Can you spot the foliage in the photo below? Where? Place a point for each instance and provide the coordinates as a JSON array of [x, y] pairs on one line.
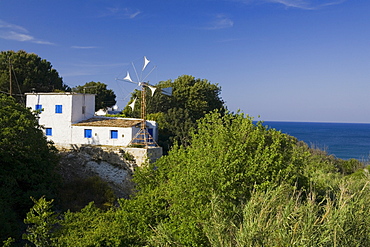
[[8, 242], [89, 227], [237, 184], [278, 216], [29, 72], [76, 194], [229, 157], [191, 99], [126, 155], [27, 163], [284, 217], [42, 222], [104, 97]]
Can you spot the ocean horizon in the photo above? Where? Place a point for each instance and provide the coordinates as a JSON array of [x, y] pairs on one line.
[[343, 140]]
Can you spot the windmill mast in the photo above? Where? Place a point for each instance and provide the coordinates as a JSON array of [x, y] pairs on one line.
[[143, 108], [143, 137]]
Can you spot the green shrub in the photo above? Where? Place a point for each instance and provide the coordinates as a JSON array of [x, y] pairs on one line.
[[76, 194]]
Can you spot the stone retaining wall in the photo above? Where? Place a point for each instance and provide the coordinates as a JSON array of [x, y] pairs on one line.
[[139, 155]]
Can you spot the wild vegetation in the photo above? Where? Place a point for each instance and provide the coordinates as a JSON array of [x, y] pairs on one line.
[[177, 115], [104, 97], [27, 72], [237, 184], [27, 164], [231, 182]]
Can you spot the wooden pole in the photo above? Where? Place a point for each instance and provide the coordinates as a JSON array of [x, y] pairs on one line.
[[143, 124], [10, 78]]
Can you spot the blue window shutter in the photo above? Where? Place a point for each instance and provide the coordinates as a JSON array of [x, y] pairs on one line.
[[38, 107], [114, 134], [88, 133], [58, 109], [49, 131]]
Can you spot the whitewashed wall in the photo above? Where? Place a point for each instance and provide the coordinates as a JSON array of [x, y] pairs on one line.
[[60, 123], [78, 102], [63, 131], [101, 135]]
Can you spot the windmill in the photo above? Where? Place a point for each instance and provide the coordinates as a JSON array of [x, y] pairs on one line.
[[143, 137]]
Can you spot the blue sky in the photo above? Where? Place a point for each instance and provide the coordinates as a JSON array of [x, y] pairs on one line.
[[276, 60]]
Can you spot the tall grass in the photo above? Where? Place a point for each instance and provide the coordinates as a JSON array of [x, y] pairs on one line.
[[285, 217]]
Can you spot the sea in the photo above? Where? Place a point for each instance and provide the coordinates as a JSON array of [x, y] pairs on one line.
[[343, 140]]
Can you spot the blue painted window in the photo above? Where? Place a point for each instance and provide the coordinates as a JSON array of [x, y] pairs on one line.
[[88, 133], [58, 109], [38, 107], [114, 134], [49, 131]]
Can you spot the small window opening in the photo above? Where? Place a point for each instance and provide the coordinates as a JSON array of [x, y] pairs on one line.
[[58, 109], [48, 131], [114, 134], [87, 133]]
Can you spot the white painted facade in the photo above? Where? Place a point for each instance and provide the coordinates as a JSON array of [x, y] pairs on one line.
[[102, 135], [68, 118]]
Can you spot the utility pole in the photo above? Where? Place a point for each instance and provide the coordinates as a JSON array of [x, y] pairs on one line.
[[10, 78]]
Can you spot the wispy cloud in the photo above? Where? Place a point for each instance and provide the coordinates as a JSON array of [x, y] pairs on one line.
[[220, 22], [14, 32], [300, 4], [121, 13], [83, 47], [5, 25]]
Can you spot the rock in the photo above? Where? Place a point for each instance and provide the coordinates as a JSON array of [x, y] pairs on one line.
[[109, 165]]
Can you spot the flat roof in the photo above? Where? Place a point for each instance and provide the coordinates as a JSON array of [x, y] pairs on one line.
[[108, 122], [59, 93]]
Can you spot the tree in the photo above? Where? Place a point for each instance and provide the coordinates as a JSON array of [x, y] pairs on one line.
[[229, 157], [27, 162], [28, 72], [237, 184], [42, 220], [104, 97], [191, 100]]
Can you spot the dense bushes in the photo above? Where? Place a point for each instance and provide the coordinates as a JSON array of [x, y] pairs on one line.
[[237, 184], [229, 157], [27, 163], [76, 194], [284, 217]]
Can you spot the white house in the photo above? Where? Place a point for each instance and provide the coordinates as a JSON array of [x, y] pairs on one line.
[[68, 118]]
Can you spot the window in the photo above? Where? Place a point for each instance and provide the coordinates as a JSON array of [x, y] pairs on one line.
[[38, 107], [83, 109], [58, 109], [88, 133], [48, 131], [114, 134]]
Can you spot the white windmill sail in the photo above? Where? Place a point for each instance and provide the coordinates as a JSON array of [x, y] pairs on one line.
[[143, 137], [128, 77], [152, 89], [132, 105], [167, 91], [146, 61]]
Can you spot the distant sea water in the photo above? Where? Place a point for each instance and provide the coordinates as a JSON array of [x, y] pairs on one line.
[[343, 140]]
